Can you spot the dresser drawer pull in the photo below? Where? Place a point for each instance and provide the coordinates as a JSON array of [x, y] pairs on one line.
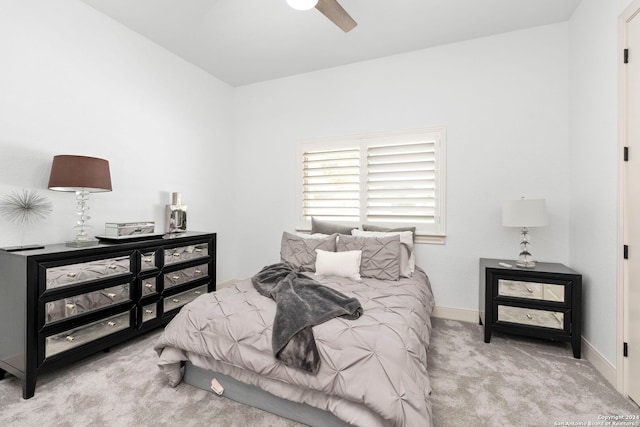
[[198, 271], [198, 249], [111, 323], [147, 260], [176, 254], [529, 316], [71, 274], [112, 296], [69, 338], [113, 266], [175, 300], [197, 292], [148, 285], [148, 311], [529, 290], [175, 277], [71, 306]]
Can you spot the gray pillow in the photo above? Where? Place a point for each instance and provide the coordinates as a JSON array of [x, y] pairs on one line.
[[369, 227], [301, 251], [324, 227], [380, 255]]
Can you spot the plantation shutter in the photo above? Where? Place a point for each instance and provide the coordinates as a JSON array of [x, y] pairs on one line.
[[401, 183], [331, 184]]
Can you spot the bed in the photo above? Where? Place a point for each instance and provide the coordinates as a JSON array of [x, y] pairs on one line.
[[373, 369]]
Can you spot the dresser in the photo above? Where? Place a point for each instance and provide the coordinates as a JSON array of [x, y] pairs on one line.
[[542, 302], [61, 304]]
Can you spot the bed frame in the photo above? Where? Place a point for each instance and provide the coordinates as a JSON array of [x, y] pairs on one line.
[[253, 396]]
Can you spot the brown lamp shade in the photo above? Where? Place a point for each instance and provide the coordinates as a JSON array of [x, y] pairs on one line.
[[77, 173]]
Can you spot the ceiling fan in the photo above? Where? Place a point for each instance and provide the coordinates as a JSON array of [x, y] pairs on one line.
[[329, 8]]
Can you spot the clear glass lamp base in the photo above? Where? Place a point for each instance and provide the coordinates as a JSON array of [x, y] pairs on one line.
[[82, 243], [82, 207], [526, 264], [525, 260]]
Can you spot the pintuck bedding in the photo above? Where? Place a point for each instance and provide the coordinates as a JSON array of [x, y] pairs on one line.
[[373, 369]]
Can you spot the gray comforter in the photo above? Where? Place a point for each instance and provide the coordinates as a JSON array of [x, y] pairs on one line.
[[301, 303], [373, 371]]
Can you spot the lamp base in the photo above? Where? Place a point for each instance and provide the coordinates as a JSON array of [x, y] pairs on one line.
[[82, 243], [526, 264]]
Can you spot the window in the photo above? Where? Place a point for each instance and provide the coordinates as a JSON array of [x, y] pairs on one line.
[[389, 179]]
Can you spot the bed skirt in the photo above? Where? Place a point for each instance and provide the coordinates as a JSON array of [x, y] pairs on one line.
[[253, 396]]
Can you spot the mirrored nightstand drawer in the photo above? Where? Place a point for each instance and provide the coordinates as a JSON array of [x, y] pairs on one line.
[[178, 300], [185, 275], [531, 317], [185, 253], [76, 337], [84, 272], [531, 290], [84, 303]]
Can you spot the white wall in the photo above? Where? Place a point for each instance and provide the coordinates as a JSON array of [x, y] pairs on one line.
[[593, 68], [504, 102], [72, 81]]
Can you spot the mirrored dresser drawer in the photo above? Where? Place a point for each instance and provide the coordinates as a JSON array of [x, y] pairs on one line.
[[66, 308], [148, 286], [148, 260], [185, 275], [185, 253], [149, 312], [84, 334], [178, 300], [80, 273]]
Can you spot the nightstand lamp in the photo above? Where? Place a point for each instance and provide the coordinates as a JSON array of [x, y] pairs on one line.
[[524, 213], [82, 175]]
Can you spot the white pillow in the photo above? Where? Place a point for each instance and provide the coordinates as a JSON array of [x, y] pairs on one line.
[[343, 264], [313, 236], [407, 257]]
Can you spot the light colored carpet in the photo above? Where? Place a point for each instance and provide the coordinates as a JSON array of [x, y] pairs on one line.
[[515, 381], [511, 382]]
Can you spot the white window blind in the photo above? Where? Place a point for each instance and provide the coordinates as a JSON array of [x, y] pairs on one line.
[[387, 179], [401, 183], [332, 184]]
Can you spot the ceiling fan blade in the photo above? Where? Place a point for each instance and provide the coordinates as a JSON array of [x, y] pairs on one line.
[[336, 14]]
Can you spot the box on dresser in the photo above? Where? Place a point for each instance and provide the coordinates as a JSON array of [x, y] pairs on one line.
[[60, 304]]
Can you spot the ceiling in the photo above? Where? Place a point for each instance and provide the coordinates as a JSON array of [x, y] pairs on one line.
[[248, 41]]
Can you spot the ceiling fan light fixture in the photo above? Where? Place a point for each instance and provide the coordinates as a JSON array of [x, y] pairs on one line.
[[302, 4]]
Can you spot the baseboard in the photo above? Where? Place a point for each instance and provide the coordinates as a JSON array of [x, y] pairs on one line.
[[461, 314], [598, 361]]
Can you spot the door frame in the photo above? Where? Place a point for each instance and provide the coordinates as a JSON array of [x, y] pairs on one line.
[[622, 274]]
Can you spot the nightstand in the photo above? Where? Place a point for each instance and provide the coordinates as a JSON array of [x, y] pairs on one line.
[[542, 302]]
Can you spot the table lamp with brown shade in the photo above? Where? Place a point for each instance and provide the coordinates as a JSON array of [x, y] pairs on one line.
[[82, 175]]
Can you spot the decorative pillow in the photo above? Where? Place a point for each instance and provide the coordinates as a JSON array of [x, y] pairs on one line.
[[301, 251], [324, 227], [369, 227], [407, 257], [380, 255], [343, 264]]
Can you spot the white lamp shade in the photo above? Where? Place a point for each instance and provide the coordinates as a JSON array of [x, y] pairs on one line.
[[302, 4], [524, 213]]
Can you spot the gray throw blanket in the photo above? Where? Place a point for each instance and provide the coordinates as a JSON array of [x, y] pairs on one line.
[[301, 303]]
